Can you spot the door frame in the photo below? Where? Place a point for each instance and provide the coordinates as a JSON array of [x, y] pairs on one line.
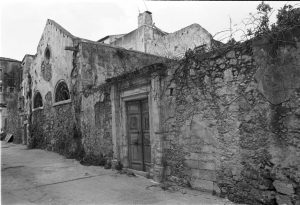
[[137, 94], [119, 97]]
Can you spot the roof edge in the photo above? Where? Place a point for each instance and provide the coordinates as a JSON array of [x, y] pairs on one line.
[[82, 40], [62, 29], [26, 56], [9, 59]]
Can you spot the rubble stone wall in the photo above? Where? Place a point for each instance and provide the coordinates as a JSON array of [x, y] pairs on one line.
[[54, 128], [231, 122]]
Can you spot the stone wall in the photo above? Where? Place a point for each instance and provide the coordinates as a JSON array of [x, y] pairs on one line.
[[54, 128], [13, 121], [10, 81], [96, 63], [231, 121]]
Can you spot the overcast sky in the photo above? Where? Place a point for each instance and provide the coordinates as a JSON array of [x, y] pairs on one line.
[[22, 21]]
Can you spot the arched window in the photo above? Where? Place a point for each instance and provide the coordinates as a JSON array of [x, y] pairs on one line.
[[37, 100], [61, 92]]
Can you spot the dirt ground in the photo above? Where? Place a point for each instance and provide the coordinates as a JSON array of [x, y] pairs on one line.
[[34, 176]]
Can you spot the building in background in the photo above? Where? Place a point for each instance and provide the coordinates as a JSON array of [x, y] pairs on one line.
[[10, 78], [150, 39]]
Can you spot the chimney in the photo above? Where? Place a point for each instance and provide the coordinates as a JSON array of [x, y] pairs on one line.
[[145, 18]]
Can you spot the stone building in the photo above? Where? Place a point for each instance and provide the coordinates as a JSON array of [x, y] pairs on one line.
[[225, 120], [10, 77], [150, 39], [25, 97], [71, 110]]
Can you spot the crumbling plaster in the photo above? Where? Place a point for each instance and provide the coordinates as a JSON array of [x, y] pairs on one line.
[[60, 63]]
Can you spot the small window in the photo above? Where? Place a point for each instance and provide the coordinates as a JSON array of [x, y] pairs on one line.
[[11, 89], [62, 92], [171, 91], [1, 89], [37, 100], [47, 54]]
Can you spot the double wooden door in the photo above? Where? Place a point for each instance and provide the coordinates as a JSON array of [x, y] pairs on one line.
[[138, 135]]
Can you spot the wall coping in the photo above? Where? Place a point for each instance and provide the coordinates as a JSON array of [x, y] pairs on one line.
[[62, 102]]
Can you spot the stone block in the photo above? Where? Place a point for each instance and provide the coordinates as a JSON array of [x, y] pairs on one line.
[[230, 54], [193, 156], [206, 157], [220, 61], [283, 200], [157, 173], [207, 165], [191, 163], [216, 189], [228, 75], [233, 62], [207, 149], [246, 58], [204, 174], [201, 184], [114, 164], [284, 187]]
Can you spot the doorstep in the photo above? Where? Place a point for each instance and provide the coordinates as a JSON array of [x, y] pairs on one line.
[[137, 172]]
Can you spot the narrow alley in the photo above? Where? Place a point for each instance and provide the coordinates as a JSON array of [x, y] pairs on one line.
[[34, 176]]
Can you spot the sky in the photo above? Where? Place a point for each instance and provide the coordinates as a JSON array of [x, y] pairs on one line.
[[22, 21]]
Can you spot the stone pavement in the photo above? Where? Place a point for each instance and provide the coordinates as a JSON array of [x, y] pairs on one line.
[[34, 176]]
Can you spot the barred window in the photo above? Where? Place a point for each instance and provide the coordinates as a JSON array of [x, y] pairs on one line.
[[37, 100], [62, 92]]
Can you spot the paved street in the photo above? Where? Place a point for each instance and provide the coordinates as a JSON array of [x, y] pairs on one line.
[[41, 177]]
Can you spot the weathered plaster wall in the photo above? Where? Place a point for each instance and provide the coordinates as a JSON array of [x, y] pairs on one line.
[[45, 75], [234, 128], [174, 45], [98, 62], [132, 41], [139, 38], [54, 126]]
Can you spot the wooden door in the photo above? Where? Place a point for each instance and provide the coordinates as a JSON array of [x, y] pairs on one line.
[[138, 135]]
